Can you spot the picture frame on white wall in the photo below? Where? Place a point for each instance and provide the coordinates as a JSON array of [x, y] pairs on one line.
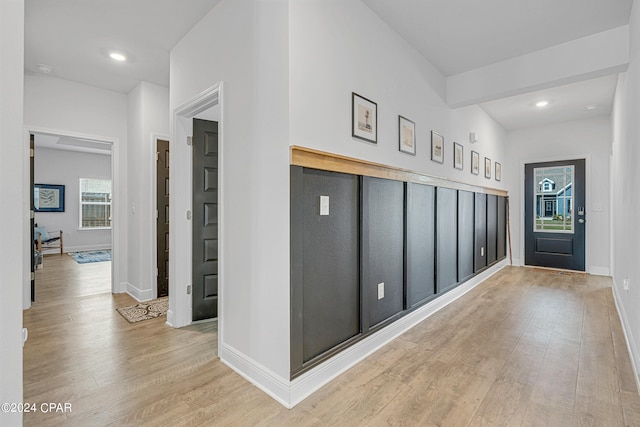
[[406, 136], [487, 168], [458, 156], [475, 163], [364, 118], [437, 147], [498, 172]]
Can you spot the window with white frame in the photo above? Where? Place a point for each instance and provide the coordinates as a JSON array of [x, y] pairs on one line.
[[95, 203]]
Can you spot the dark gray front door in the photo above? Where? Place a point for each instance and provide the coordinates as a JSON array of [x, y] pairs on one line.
[[555, 214], [205, 219], [162, 220]]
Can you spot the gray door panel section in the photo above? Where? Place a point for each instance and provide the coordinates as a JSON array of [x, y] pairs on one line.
[[420, 243], [446, 238]]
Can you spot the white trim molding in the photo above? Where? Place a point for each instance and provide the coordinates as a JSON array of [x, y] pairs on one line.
[[290, 393], [632, 346]]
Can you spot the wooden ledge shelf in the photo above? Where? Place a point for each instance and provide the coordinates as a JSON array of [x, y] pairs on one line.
[[315, 159]]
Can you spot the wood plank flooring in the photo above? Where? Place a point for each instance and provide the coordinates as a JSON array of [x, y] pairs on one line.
[[525, 348]]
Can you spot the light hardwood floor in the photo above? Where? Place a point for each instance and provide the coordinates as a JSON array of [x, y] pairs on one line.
[[525, 348]]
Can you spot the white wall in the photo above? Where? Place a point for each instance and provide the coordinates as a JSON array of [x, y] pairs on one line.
[[326, 48], [624, 189], [243, 43], [566, 140], [148, 118], [64, 167], [340, 47], [75, 109], [14, 208]]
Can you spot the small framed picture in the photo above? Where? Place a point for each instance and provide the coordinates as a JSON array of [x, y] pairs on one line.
[[498, 172], [48, 198], [475, 163], [487, 168], [406, 135], [458, 152], [437, 147], [364, 121]]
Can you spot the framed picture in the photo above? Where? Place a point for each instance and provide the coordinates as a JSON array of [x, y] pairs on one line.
[[437, 147], [364, 121], [498, 172], [406, 135], [48, 198], [487, 168], [458, 152], [475, 163]]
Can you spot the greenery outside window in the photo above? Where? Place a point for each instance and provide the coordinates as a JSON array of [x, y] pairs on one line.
[[95, 203]]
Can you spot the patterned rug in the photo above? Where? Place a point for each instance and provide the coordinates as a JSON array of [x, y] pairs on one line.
[[91, 256], [145, 310]]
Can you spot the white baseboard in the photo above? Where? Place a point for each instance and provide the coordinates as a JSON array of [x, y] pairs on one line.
[[267, 381], [517, 262], [599, 271], [77, 249], [139, 294], [632, 347], [170, 316], [290, 393]]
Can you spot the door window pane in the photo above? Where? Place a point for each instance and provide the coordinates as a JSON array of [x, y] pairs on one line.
[[553, 199]]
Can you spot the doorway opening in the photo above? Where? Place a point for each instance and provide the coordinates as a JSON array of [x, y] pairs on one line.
[[208, 106], [83, 167]]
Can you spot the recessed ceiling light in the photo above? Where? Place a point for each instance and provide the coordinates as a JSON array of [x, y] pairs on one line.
[[117, 56], [542, 104], [591, 107]]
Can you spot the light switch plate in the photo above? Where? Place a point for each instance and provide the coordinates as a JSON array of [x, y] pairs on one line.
[[482, 251], [324, 205], [380, 290]]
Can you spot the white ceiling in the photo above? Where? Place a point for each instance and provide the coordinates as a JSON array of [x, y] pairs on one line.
[[462, 35], [455, 35], [71, 35]]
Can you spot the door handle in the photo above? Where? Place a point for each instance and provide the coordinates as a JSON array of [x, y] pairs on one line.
[[581, 221]]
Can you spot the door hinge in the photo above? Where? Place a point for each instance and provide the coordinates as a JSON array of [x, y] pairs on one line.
[[31, 153], [156, 213], [189, 140], [32, 214], [189, 215], [188, 289], [156, 271], [157, 156], [33, 276]]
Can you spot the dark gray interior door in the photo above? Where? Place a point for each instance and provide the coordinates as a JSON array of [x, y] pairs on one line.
[[555, 214], [162, 217], [205, 220], [32, 215]]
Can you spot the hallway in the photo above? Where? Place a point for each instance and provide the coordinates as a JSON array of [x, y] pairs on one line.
[[526, 347]]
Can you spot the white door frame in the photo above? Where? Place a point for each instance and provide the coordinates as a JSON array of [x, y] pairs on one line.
[[116, 201], [587, 196], [180, 205]]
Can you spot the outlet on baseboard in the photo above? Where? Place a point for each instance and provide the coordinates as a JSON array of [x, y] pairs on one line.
[[625, 284], [380, 290]]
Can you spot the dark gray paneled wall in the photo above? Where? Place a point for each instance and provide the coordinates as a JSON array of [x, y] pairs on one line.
[[326, 309], [420, 243], [480, 245], [382, 249], [446, 238], [419, 240], [466, 230]]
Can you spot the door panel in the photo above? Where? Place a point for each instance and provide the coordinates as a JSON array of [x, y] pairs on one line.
[[162, 221], [554, 229], [205, 220], [32, 221]]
